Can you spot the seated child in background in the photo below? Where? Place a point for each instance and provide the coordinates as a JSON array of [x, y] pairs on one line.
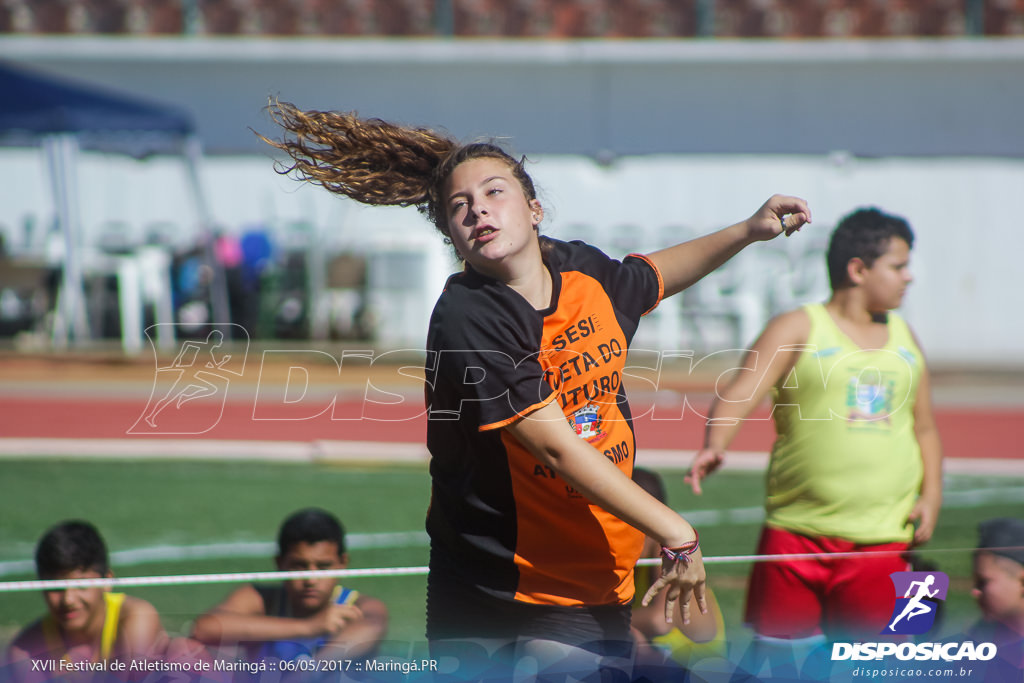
[[684, 644], [82, 625], [299, 617], [999, 588]]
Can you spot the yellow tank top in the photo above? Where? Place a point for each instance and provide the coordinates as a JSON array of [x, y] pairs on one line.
[[113, 601], [846, 462]]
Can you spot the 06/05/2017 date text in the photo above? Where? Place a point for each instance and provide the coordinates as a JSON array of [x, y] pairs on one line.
[[358, 665]]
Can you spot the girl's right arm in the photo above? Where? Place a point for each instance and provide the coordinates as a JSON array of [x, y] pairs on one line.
[[550, 439]]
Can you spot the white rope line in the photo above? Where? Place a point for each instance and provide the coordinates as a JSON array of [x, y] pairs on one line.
[[241, 577], [185, 579], [783, 557]]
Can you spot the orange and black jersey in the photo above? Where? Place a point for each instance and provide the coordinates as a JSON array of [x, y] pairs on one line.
[[498, 518]]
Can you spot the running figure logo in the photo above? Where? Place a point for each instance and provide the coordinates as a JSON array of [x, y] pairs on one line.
[[917, 596], [189, 392]]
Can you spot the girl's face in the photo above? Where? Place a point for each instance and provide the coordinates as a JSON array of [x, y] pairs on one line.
[[886, 281], [490, 219], [998, 587]]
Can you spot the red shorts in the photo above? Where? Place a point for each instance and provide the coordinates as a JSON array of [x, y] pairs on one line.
[[841, 597]]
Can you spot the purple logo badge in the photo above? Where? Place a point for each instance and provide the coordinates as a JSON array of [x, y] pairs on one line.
[[917, 600]]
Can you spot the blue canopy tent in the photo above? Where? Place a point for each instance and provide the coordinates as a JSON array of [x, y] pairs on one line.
[[63, 117]]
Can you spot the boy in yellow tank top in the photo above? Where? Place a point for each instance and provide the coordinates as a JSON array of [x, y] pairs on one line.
[[84, 628], [857, 461]]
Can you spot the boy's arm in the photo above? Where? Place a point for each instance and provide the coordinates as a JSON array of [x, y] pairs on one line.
[[16, 665], [926, 510], [242, 617], [17, 661], [771, 357], [649, 620], [140, 633], [359, 636]]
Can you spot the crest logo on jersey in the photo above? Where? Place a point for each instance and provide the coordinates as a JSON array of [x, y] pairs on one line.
[[870, 400], [587, 422]]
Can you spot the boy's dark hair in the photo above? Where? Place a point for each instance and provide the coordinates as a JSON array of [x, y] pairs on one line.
[[1003, 536], [310, 525], [71, 545], [650, 481], [863, 234]]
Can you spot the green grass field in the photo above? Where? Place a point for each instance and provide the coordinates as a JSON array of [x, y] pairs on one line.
[[139, 504]]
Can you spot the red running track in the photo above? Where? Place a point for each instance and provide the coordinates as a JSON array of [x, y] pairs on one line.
[[966, 432]]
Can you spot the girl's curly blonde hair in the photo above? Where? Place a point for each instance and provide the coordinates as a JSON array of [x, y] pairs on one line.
[[379, 163]]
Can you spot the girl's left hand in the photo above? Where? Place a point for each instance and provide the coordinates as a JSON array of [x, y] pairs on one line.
[[682, 580], [780, 214]]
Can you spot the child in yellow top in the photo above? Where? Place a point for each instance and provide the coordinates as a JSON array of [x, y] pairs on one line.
[[856, 465], [83, 626]]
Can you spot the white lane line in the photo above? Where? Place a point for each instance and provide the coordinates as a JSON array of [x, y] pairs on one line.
[[133, 448]]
